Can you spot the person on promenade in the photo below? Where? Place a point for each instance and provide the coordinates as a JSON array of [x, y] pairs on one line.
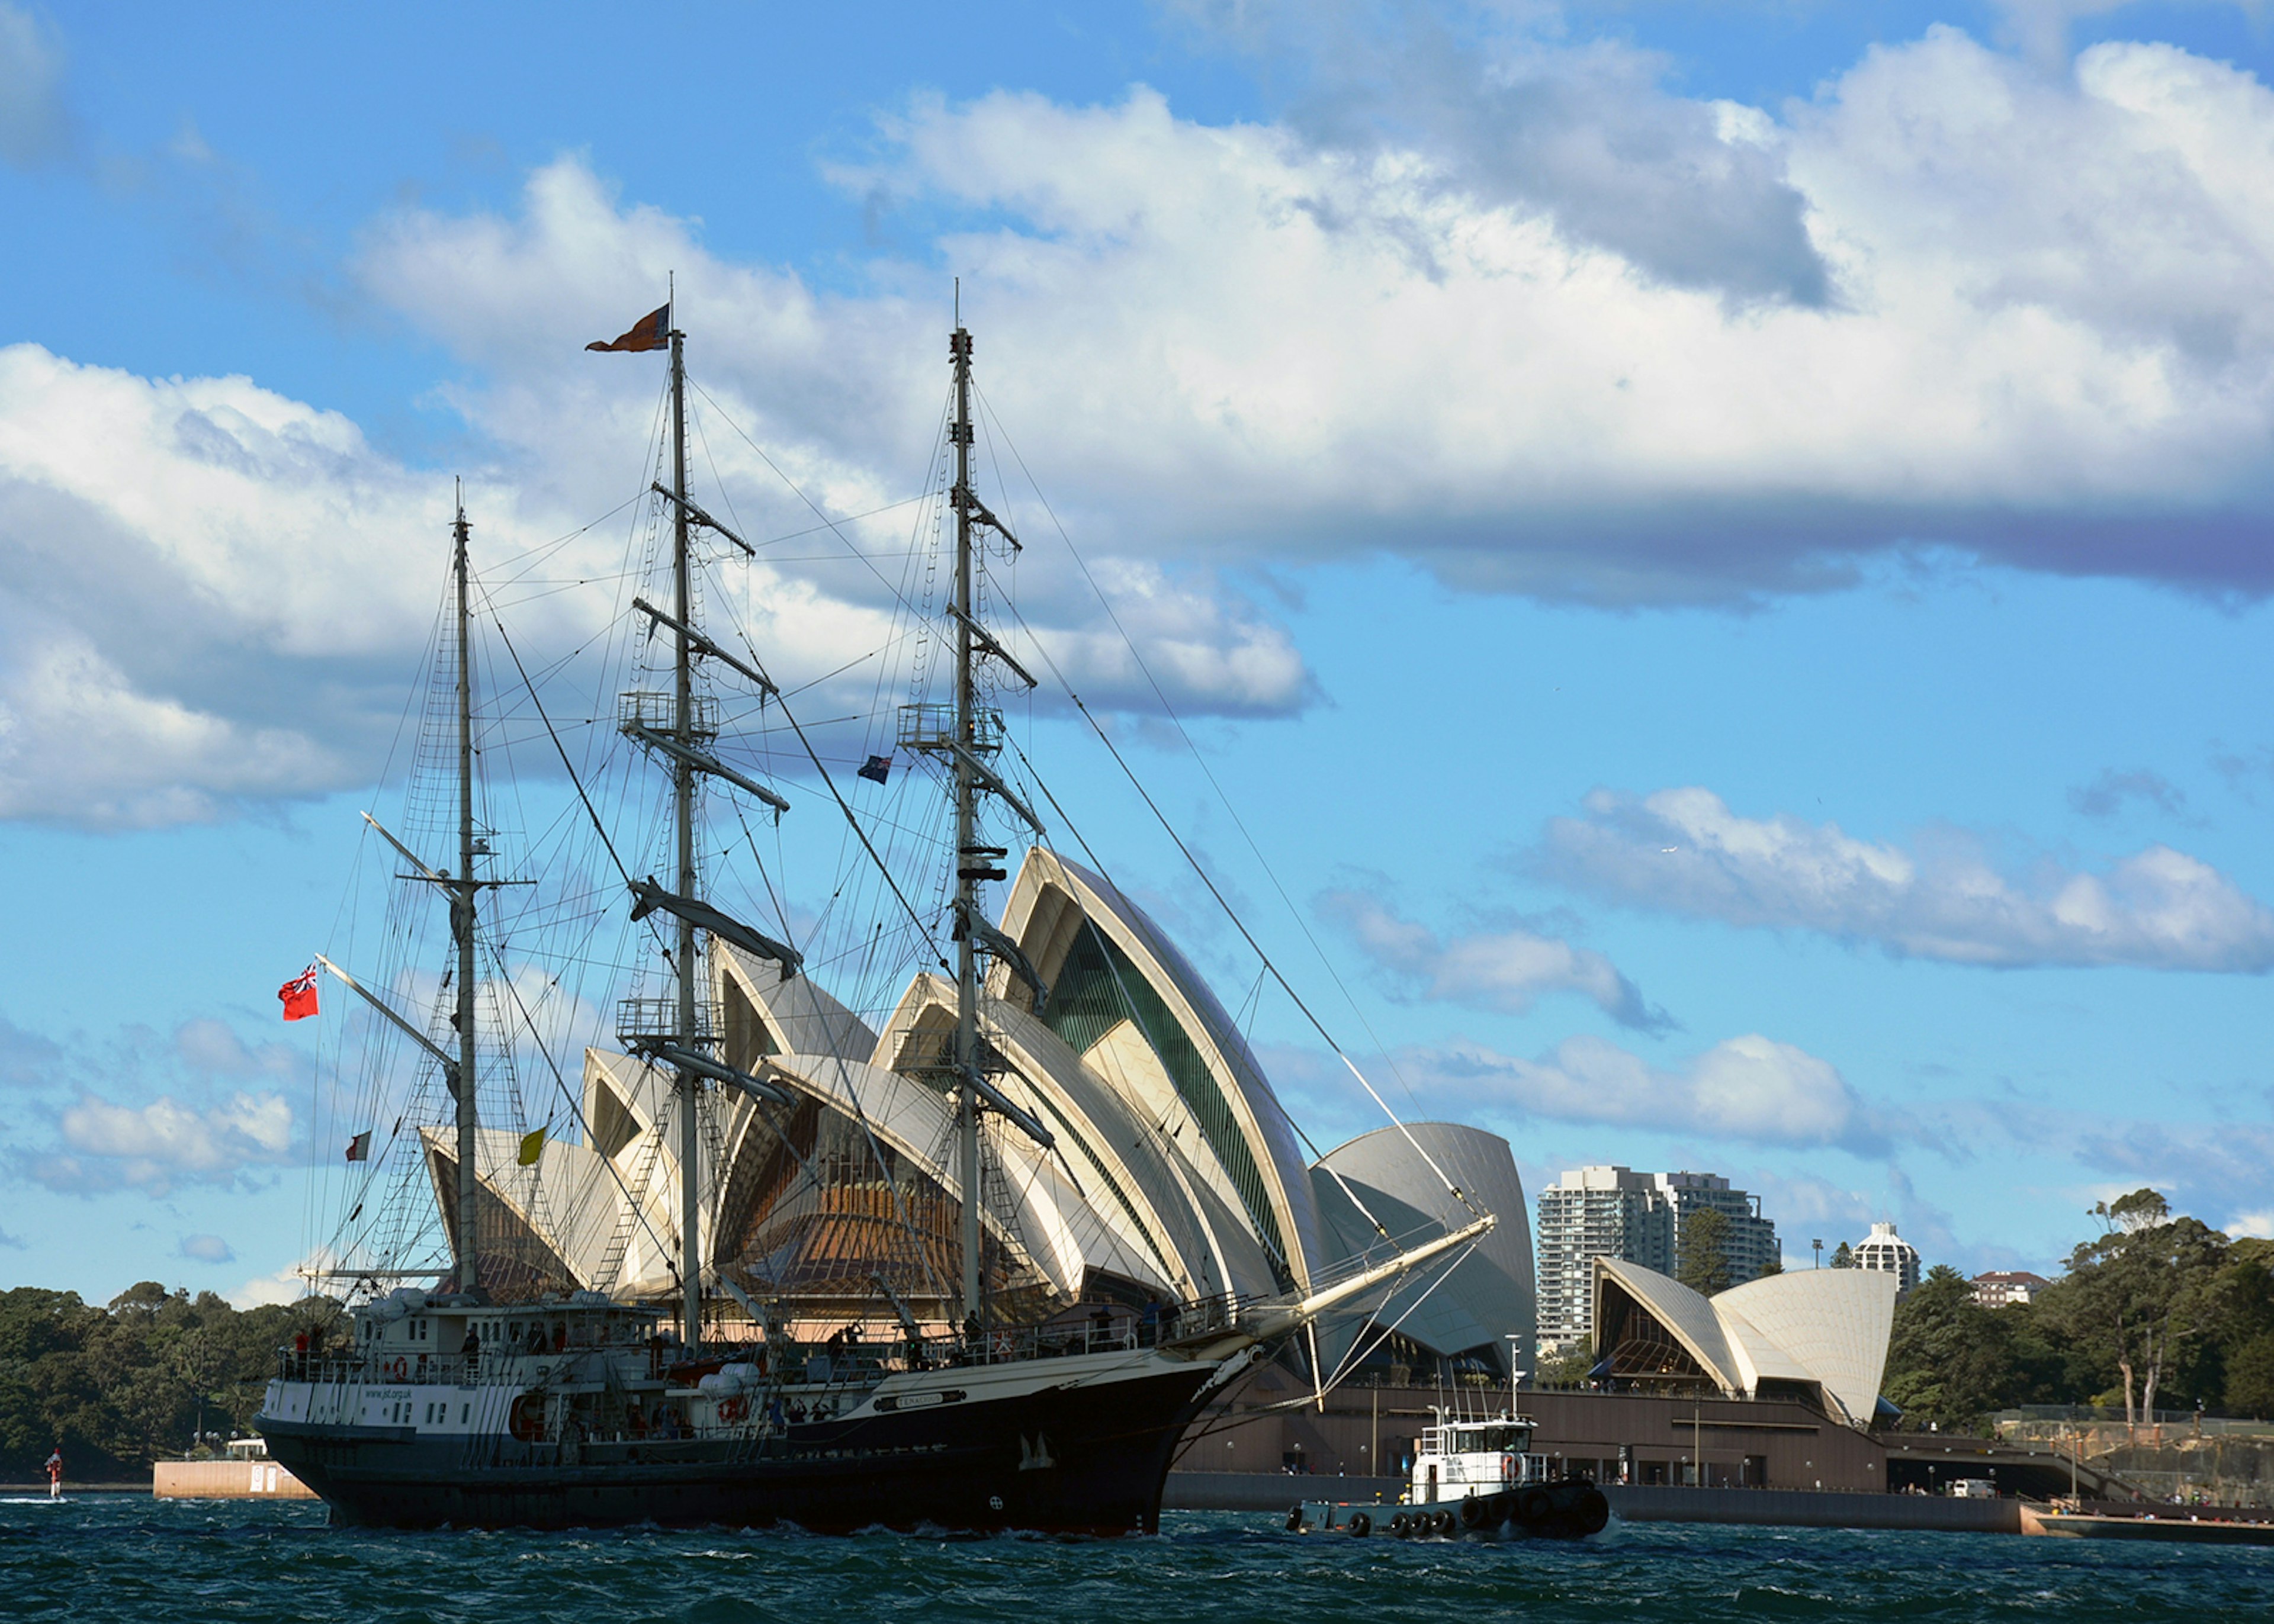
[[55, 1474]]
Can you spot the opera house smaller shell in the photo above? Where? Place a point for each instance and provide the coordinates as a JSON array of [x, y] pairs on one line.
[[1819, 1335]]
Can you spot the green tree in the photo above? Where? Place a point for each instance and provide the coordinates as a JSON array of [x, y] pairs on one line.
[[1843, 1256], [2143, 1291], [2250, 1378], [1705, 1244], [1569, 1369], [120, 1386], [1949, 1360]]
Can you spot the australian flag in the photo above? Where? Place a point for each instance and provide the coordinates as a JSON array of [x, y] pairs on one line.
[[876, 769]]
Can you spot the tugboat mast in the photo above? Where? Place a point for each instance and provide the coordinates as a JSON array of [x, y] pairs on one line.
[[692, 1037], [971, 864], [463, 889]]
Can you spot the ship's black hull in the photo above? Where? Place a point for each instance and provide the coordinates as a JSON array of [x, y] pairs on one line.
[[1070, 1458]]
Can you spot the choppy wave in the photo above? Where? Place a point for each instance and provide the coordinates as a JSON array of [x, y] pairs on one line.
[[125, 1558]]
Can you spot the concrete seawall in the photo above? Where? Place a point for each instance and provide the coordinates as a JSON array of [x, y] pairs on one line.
[[1814, 1509], [226, 1480], [1271, 1492]]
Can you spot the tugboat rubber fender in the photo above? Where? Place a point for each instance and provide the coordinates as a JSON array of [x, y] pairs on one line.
[[1400, 1525], [1360, 1525], [1477, 1511], [1295, 1521], [1533, 1507]]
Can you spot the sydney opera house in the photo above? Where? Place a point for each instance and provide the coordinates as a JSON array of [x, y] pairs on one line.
[[1176, 1173]]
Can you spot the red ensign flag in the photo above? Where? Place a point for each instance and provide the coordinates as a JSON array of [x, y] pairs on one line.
[[298, 995]]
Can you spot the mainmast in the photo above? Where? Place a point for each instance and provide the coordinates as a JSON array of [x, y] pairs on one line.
[[970, 864], [690, 1036], [464, 888]]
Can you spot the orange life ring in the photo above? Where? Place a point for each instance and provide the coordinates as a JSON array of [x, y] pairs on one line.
[[732, 1410], [1508, 1469], [402, 1369]]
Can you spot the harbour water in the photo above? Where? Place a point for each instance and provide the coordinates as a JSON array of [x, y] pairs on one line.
[[101, 1558]]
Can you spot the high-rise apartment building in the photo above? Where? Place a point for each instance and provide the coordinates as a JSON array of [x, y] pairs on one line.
[[1593, 1212], [1750, 1241], [1890, 1253]]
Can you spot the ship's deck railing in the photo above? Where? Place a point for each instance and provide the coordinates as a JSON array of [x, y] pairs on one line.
[[454, 1369], [862, 1362]]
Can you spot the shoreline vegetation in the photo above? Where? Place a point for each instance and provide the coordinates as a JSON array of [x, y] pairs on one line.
[[2157, 1313], [154, 1374]]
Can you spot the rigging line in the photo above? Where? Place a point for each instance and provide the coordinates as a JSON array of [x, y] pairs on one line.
[[1171, 712], [830, 784], [1106, 874], [576, 1111], [1244, 1417], [702, 440], [781, 913], [833, 526], [530, 556], [561, 750], [1353, 1359], [1240, 925]]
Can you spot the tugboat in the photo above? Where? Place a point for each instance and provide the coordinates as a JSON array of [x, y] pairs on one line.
[[509, 1391], [1474, 1478]]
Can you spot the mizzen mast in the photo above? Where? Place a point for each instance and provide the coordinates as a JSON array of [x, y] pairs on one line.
[[972, 863], [464, 889], [966, 739], [691, 1035]]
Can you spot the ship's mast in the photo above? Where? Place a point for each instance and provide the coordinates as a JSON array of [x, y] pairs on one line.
[[690, 1037], [970, 865], [464, 888]]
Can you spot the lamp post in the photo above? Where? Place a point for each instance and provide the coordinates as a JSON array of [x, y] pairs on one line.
[[1819, 1245], [1515, 1376]]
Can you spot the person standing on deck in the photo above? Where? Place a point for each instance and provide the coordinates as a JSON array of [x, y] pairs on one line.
[[55, 1474]]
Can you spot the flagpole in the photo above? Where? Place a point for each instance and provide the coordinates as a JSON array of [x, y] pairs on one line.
[[462, 895]]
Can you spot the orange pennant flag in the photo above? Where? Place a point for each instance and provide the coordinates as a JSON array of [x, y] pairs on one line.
[[652, 331]]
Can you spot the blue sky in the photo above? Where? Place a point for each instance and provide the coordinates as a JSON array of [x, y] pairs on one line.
[[1718, 550]]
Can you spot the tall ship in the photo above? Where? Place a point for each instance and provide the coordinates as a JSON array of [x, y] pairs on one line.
[[974, 1255]]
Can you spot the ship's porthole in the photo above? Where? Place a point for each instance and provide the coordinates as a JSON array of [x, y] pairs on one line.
[[994, 1502]]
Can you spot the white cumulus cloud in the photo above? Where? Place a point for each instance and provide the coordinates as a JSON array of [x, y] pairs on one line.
[[1508, 971], [1943, 897], [167, 1142], [1750, 1088], [1561, 331]]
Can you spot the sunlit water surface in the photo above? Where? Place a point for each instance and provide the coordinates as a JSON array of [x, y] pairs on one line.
[[128, 1558]]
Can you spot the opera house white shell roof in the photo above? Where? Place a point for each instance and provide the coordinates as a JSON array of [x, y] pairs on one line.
[[1822, 1330], [1175, 1172]]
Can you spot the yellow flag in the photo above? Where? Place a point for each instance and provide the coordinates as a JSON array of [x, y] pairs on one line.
[[532, 1146]]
